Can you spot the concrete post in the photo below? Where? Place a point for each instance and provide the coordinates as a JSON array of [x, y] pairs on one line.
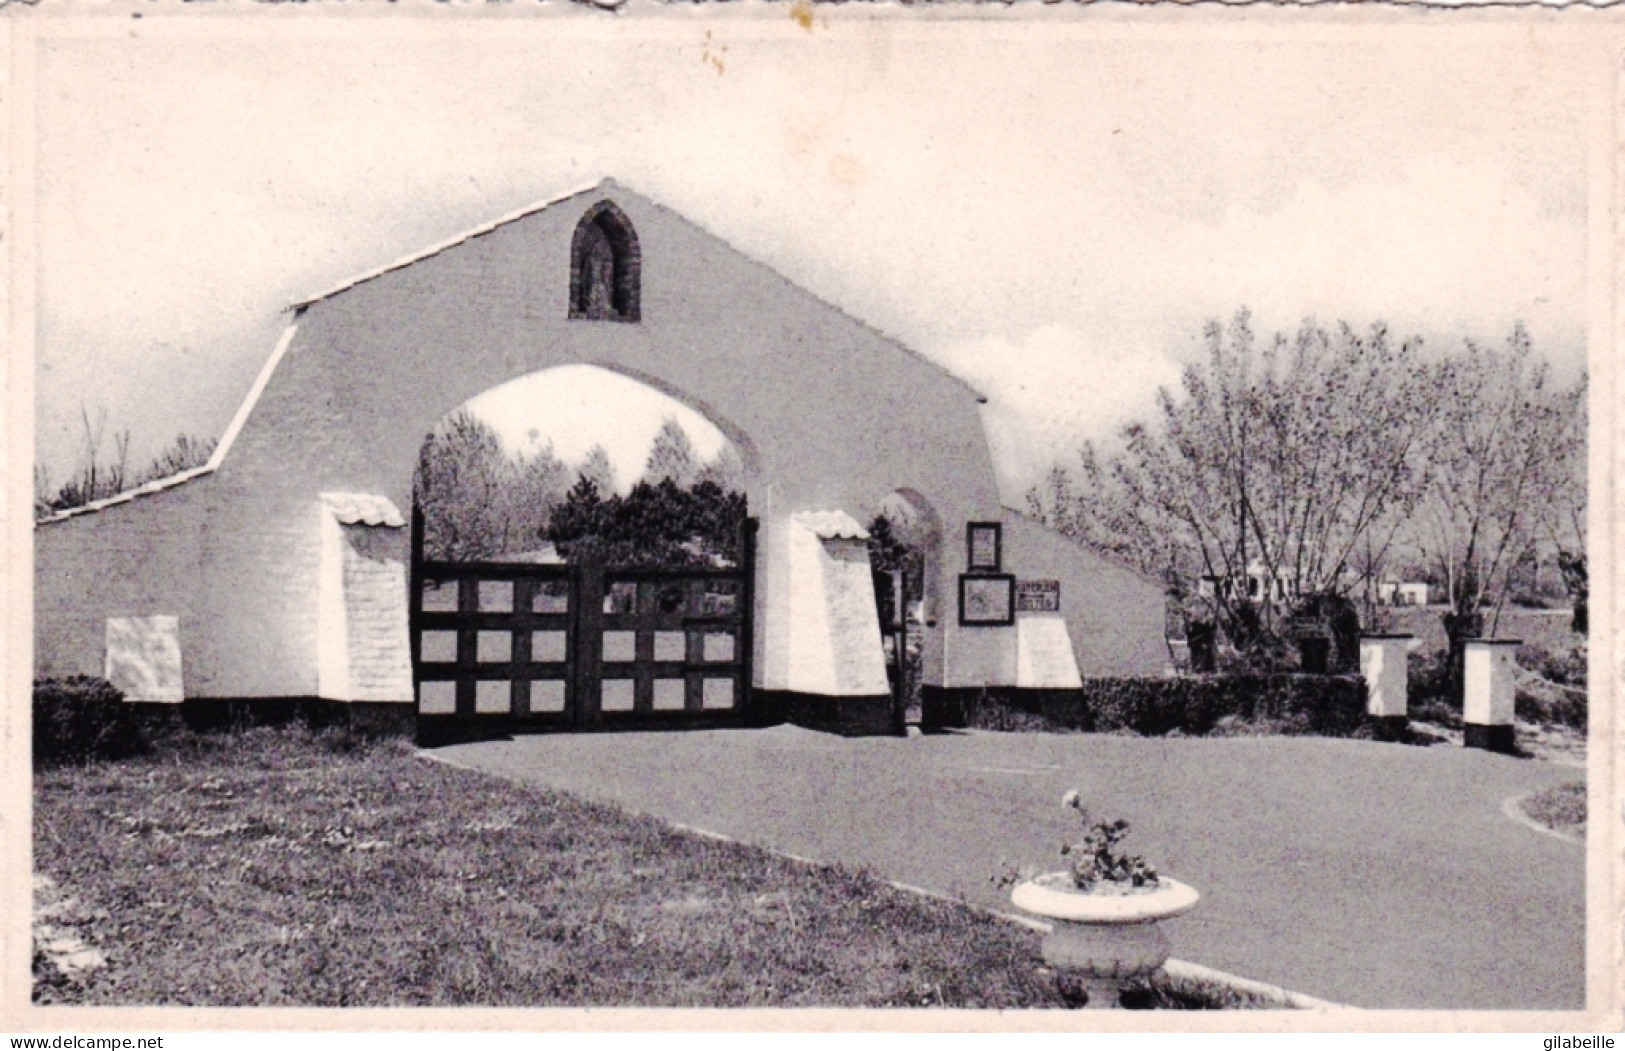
[[1490, 689], [1387, 690]]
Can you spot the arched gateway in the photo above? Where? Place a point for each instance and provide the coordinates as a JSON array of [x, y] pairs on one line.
[[281, 569]]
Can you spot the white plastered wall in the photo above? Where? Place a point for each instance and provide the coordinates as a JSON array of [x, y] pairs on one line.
[[977, 655], [332, 646], [831, 635], [363, 639]]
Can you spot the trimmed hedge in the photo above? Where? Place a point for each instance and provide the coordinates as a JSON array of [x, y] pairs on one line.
[[1430, 699], [1562, 699], [1552, 707], [1327, 705], [83, 718]]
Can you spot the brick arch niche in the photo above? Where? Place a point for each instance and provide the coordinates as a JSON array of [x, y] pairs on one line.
[[605, 266]]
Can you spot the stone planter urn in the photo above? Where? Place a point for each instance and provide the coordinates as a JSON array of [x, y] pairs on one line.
[[1103, 938]]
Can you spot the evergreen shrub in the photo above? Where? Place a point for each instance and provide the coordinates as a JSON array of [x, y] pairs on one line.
[[83, 718]]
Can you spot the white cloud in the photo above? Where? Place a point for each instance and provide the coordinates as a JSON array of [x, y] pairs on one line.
[[1051, 387], [1446, 249]]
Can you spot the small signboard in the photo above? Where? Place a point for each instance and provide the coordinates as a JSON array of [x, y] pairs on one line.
[[1038, 596]]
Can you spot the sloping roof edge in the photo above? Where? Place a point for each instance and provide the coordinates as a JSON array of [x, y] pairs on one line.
[[450, 242], [247, 407], [223, 447], [892, 340], [157, 485], [531, 209], [1008, 512]]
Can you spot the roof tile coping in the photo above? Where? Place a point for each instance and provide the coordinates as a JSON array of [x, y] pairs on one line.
[[831, 525], [363, 509], [158, 485]]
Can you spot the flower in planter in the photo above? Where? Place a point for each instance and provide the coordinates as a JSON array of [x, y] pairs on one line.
[[1096, 863]]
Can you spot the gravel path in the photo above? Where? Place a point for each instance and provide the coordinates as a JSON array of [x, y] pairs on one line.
[[1371, 874]]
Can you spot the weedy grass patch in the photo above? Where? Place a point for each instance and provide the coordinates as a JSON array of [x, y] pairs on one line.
[[1560, 807], [282, 866], [1180, 993]]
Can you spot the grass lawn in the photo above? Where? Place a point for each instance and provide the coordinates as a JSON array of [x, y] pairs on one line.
[[1560, 807], [285, 867]]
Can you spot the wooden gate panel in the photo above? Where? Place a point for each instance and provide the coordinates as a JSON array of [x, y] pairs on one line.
[[492, 642], [500, 646], [672, 645]]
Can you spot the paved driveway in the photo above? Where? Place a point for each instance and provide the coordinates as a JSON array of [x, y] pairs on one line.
[[1371, 874]]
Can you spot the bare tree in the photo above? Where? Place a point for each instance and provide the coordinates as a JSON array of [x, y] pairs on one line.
[[598, 469], [478, 500], [536, 482], [462, 477], [184, 453], [1505, 450], [94, 479], [671, 456], [1562, 514], [725, 470], [1296, 463]]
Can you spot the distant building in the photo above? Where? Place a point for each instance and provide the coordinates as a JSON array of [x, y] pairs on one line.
[[1413, 593], [1257, 585], [1393, 592]]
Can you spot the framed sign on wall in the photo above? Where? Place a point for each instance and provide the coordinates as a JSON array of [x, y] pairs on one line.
[[987, 599], [983, 541]]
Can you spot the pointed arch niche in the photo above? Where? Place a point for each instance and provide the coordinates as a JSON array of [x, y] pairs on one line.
[[605, 266], [917, 525]]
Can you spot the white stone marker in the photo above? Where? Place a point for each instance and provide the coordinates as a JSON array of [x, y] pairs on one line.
[[1490, 689], [1382, 665], [1044, 658], [143, 658]]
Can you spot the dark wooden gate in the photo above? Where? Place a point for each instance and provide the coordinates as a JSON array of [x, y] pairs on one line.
[[504, 647]]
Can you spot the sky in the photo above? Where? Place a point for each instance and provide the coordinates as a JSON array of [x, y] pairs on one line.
[[1050, 208]]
